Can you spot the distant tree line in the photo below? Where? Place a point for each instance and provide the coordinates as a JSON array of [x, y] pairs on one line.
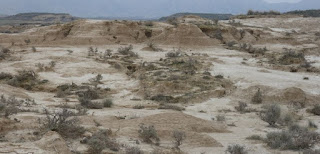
[[271, 12], [306, 13]]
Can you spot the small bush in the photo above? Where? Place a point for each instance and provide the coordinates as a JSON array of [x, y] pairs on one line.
[[134, 150], [271, 114], [9, 106], [100, 141], [315, 110], [171, 107], [63, 123], [25, 79], [241, 107], [178, 137], [5, 76], [254, 137], [295, 138], [34, 49], [148, 134], [316, 151], [221, 118], [312, 125], [127, 51], [174, 54], [138, 107], [4, 52], [108, 103], [90, 94], [291, 57], [152, 46], [87, 103], [236, 149], [149, 23], [257, 97]]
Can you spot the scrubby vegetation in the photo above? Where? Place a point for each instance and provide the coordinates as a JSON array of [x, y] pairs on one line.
[[295, 138], [179, 137], [257, 97], [24, 79], [4, 53], [9, 106], [100, 141], [62, 122], [127, 51], [315, 110], [149, 134], [271, 114], [236, 149]]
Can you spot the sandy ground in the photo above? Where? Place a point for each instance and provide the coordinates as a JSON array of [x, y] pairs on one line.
[[78, 68]]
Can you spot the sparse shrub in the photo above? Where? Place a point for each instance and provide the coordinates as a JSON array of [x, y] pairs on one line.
[[178, 137], [8, 106], [63, 123], [312, 125], [254, 137], [81, 110], [257, 97], [149, 23], [241, 107], [292, 57], [315, 110], [90, 94], [221, 118], [91, 51], [127, 51], [152, 46], [27, 41], [271, 114], [236, 149], [25, 79], [174, 54], [309, 151], [148, 134], [34, 49], [97, 79], [286, 120], [4, 52], [138, 107], [90, 104], [100, 141], [5, 76], [295, 138], [171, 107], [108, 103], [230, 44], [134, 150]]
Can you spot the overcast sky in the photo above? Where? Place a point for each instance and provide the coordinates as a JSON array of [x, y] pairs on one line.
[[279, 1]]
